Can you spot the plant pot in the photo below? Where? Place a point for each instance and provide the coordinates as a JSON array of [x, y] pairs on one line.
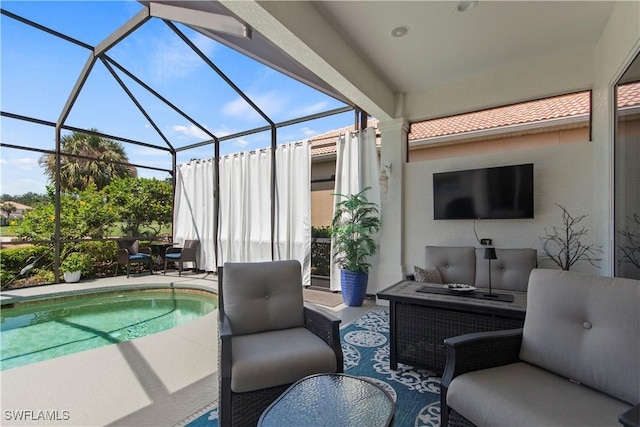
[[72, 276], [354, 287]]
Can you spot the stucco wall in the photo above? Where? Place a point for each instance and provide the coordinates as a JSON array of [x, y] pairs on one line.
[[560, 177]]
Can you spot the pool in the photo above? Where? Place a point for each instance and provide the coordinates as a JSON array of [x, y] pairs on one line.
[[34, 331]]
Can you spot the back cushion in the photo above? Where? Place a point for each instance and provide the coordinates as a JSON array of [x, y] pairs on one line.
[[510, 270], [457, 264], [586, 328], [263, 296]]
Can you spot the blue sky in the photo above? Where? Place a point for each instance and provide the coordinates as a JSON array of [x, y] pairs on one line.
[[38, 72]]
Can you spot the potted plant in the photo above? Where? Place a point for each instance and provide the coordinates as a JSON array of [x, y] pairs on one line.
[[353, 225], [73, 266]]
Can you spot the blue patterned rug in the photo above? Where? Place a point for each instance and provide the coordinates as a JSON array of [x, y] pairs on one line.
[[365, 344]]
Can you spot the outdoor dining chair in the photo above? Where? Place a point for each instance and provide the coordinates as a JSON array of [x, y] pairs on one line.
[[129, 253], [188, 253]]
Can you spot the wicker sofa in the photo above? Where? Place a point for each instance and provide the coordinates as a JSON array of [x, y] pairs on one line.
[[466, 264], [576, 361]]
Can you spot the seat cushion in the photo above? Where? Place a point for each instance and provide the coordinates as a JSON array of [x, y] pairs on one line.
[[274, 358], [520, 394], [139, 257], [173, 255]]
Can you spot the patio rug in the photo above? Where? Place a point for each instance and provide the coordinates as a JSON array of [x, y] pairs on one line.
[[326, 298], [365, 344]]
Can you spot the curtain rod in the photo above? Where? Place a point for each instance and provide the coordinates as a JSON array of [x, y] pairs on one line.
[[297, 144]]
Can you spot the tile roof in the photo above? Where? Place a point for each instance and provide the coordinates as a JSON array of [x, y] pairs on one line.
[[576, 104], [558, 107], [629, 95], [326, 143]]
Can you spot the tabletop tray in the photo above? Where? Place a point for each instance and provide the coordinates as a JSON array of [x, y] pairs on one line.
[[469, 294]]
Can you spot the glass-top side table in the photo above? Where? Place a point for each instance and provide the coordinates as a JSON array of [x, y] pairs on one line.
[[330, 400]]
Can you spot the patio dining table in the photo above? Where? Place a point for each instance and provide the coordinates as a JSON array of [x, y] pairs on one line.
[[159, 248]]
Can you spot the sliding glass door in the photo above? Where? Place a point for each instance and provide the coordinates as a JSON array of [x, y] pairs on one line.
[[627, 173]]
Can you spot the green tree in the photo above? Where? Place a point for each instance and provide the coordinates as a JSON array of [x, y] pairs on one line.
[[29, 199], [141, 202], [83, 214], [76, 174], [8, 208]]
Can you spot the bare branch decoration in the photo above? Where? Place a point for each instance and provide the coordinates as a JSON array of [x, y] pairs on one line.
[[564, 244], [631, 247]]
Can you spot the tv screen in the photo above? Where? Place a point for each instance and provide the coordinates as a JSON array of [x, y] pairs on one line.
[[504, 192]]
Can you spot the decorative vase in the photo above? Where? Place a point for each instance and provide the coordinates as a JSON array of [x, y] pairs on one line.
[[72, 276], [354, 287]]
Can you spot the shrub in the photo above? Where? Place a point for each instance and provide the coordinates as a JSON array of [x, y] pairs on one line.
[[76, 261]]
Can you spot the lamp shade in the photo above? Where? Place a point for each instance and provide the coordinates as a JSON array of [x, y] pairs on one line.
[[490, 253]]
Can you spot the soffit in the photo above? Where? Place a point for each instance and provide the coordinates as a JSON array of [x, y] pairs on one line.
[[444, 45]]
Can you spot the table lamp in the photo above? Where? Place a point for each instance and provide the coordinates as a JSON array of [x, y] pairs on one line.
[[490, 253]]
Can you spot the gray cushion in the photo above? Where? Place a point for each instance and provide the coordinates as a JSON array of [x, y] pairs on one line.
[[427, 275], [586, 328], [265, 360], [263, 296], [523, 395], [510, 270], [457, 264]]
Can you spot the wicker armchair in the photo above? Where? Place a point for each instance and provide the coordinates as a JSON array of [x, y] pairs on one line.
[[188, 253], [129, 253], [574, 362], [471, 352], [269, 339]]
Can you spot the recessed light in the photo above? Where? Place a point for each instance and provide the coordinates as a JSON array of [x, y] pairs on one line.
[[465, 6], [399, 31]]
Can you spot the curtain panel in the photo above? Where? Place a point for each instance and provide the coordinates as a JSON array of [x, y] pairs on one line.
[[245, 206], [357, 167], [194, 209]]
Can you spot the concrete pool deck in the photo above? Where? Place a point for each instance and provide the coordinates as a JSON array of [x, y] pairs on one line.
[[157, 380]]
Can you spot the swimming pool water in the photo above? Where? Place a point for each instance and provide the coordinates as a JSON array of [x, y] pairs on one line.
[[48, 329]]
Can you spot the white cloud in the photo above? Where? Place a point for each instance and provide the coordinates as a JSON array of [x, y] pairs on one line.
[[22, 163], [191, 131], [271, 103], [172, 58], [241, 143], [308, 132], [318, 107]]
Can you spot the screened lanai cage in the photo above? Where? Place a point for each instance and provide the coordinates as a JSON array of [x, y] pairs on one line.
[[151, 122]]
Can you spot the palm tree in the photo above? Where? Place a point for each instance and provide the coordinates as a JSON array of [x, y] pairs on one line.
[[76, 174]]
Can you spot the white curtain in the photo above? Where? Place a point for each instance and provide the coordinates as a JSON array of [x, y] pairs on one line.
[[194, 209], [245, 206], [293, 205], [357, 167]]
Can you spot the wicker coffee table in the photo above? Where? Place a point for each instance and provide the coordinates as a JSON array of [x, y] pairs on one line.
[[419, 322], [330, 400]]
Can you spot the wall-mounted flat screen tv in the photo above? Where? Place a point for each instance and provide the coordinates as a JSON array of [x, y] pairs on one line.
[[504, 192]]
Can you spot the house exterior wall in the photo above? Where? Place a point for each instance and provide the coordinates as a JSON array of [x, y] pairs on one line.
[[321, 208], [499, 145]]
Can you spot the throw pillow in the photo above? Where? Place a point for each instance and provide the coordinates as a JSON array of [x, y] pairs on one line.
[[428, 275]]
